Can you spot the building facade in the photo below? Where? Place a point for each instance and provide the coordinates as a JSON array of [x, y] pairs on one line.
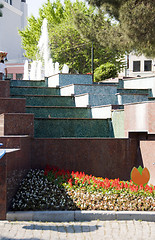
[[138, 66], [13, 19]]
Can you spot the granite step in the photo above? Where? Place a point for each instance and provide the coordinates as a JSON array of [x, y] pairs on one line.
[[12, 105], [59, 112], [96, 89], [87, 99], [141, 82], [5, 89], [72, 128], [21, 90], [16, 124], [31, 83], [104, 111], [44, 100], [135, 91], [124, 98], [62, 79]]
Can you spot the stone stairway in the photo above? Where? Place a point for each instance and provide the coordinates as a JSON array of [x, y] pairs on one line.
[[73, 110], [56, 116], [104, 93]]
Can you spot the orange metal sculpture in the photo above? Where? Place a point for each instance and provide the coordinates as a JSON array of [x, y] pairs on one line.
[[140, 176]]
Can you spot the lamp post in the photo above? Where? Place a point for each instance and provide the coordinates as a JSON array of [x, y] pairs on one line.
[[92, 61]]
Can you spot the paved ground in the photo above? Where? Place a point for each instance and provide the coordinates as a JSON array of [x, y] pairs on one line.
[[92, 230]]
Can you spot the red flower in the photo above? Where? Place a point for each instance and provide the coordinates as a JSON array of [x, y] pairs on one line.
[[70, 182], [45, 172]]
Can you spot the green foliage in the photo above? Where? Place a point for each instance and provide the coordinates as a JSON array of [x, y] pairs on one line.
[[68, 43], [31, 34], [1, 6], [105, 34], [30, 37], [135, 26], [137, 20], [105, 71], [67, 47]]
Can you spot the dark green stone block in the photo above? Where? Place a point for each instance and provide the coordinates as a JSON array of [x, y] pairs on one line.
[[79, 128], [47, 100], [59, 112], [42, 83], [34, 91], [134, 91]]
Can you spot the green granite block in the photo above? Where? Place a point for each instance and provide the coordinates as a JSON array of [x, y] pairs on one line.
[[131, 98], [118, 123], [59, 112], [133, 91], [34, 90], [79, 128], [42, 83], [47, 100]]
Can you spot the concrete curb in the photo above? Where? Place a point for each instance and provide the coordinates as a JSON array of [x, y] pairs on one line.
[[70, 216]]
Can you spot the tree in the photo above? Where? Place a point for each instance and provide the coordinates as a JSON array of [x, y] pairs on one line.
[[136, 20], [105, 71], [67, 44], [1, 6], [31, 34]]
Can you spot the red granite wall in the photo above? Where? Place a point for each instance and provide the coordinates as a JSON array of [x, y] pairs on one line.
[[148, 155], [12, 105], [13, 168], [110, 158], [16, 124], [4, 88], [139, 117], [3, 189]]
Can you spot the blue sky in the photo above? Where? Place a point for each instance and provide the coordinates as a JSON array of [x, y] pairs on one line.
[[33, 6]]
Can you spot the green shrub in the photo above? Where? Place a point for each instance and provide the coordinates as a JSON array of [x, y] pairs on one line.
[[105, 71]]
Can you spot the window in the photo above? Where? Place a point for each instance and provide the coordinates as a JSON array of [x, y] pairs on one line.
[[8, 1], [147, 65], [136, 66], [10, 75], [19, 76]]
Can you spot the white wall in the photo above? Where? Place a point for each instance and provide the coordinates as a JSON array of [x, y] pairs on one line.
[[141, 83], [14, 18]]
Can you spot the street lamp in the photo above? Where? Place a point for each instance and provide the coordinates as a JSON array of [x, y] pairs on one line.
[[92, 60]]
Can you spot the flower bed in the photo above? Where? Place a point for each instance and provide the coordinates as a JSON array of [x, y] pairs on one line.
[[57, 189]]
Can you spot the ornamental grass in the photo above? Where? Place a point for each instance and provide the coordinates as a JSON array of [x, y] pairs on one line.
[[58, 189]]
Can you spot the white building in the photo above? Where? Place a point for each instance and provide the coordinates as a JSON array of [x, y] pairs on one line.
[[14, 18], [138, 66]]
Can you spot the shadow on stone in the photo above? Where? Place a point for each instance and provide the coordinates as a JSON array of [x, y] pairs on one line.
[[64, 228], [36, 193], [6, 238]]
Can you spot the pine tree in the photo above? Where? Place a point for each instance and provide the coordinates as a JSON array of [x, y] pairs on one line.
[[135, 20]]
